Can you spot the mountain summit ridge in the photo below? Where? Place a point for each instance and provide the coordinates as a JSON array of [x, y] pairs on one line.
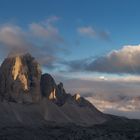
[[20, 78], [22, 81]]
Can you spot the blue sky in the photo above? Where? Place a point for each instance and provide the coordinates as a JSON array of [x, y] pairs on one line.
[[89, 29], [90, 45], [119, 18]]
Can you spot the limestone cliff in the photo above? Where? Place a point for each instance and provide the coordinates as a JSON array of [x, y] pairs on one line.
[[20, 79]]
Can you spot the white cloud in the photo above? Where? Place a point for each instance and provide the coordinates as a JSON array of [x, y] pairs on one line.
[[89, 31], [48, 32], [125, 60], [42, 39], [11, 36]]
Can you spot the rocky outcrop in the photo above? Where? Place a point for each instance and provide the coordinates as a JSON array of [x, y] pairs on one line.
[[51, 91], [20, 79], [48, 86], [57, 93], [21, 82]]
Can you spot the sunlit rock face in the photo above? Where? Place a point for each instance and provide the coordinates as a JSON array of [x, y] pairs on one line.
[[57, 93], [19, 72], [53, 92], [20, 79], [76, 96]]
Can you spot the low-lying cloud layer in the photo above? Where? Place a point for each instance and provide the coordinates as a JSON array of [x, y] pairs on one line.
[[119, 97], [125, 60]]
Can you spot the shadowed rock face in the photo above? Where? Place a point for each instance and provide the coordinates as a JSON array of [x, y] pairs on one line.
[[48, 86], [58, 95], [53, 92], [20, 79]]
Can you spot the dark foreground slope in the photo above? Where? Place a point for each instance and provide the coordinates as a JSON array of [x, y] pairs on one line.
[[116, 130], [45, 121], [32, 122]]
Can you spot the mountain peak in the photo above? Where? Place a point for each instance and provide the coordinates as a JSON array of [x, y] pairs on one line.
[[21, 81], [20, 78]]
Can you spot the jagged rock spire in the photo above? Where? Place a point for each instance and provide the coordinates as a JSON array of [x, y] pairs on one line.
[[20, 78]]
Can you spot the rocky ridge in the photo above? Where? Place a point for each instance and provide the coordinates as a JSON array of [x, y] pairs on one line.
[[21, 81]]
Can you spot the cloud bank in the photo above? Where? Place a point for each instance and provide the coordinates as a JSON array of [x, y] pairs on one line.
[[125, 60], [119, 97]]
